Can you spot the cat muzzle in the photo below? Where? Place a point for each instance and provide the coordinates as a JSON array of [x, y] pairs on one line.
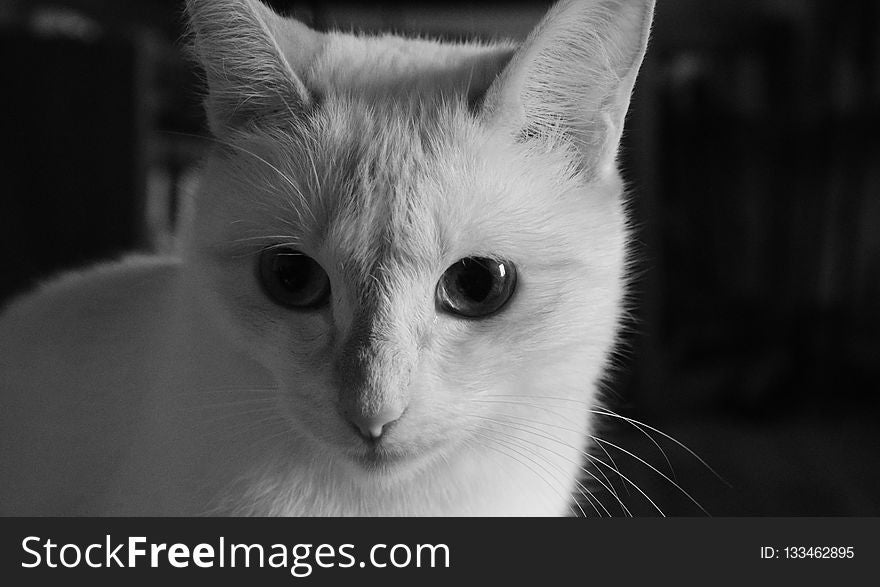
[[372, 427]]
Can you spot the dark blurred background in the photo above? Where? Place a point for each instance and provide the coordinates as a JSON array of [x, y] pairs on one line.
[[752, 150]]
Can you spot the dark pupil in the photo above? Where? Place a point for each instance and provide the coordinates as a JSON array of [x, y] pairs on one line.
[[295, 271], [293, 279], [476, 287], [474, 281]]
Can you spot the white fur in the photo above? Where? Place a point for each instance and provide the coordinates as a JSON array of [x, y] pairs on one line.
[[174, 386]]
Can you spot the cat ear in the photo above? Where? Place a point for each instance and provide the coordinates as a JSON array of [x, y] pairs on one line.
[[253, 60], [573, 77]]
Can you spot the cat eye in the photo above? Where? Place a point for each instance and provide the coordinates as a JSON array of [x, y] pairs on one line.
[[476, 287], [293, 279]]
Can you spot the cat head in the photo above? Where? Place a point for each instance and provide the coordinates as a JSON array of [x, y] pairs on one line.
[[414, 236]]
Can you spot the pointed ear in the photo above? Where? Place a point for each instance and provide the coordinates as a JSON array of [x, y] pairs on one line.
[[253, 60], [573, 77]]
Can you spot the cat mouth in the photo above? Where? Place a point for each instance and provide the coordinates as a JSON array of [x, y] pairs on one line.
[[378, 459]]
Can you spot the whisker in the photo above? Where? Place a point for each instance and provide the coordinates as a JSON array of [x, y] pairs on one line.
[[271, 166], [254, 401], [530, 448], [655, 469], [602, 411], [557, 440], [628, 480], [607, 412], [610, 486], [523, 464], [267, 237], [537, 464], [238, 415], [545, 408], [237, 389], [536, 405], [580, 486], [617, 470]]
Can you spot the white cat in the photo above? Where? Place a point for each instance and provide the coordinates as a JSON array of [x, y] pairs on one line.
[[403, 257]]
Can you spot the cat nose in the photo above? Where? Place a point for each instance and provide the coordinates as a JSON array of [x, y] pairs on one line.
[[372, 427]]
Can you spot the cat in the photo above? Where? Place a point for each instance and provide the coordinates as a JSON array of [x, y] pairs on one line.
[[395, 290]]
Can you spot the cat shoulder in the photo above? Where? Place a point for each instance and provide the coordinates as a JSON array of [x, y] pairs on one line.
[[84, 317], [72, 356], [72, 299]]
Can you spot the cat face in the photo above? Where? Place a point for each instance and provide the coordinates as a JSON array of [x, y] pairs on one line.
[[326, 223]]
